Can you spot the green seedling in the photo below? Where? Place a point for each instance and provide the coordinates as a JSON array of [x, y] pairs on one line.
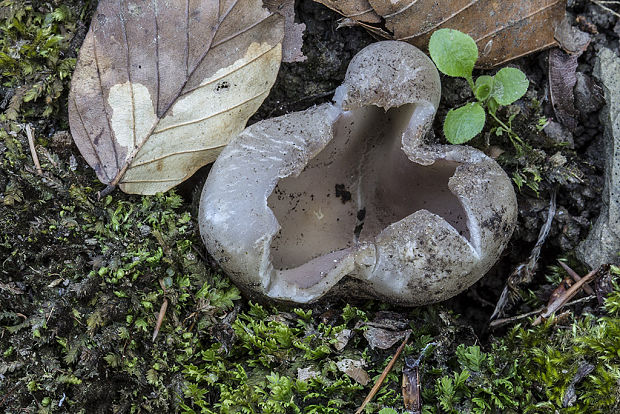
[[455, 54]]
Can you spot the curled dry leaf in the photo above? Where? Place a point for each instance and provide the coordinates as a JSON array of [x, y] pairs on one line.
[[160, 87], [562, 80], [503, 30]]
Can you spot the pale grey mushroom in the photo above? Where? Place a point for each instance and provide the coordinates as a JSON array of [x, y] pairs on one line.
[[345, 198]]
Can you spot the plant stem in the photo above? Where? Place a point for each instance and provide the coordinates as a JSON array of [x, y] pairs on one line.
[[508, 129], [470, 80]]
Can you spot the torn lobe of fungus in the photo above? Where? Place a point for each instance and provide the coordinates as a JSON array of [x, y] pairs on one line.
[[362, 169]]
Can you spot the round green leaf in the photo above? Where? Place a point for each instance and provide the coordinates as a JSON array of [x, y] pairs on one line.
[[464, 123], [454, 52], [510, 85], [483, 87]]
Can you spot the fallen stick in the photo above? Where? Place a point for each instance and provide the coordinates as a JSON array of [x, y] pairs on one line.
[[576, 277], [383, 375], [505, 321], [33, 152], [561, 301]]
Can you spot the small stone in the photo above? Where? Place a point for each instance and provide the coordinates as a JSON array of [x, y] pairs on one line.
[[588, 95], [571, 39], [304, 374], [559, 134], [603, 243]]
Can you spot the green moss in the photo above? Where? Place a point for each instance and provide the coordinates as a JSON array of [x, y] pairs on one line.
[[534, 369], [38, 44]]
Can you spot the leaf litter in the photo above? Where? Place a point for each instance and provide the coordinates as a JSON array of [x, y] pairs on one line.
[[159, 90], [503, 30]]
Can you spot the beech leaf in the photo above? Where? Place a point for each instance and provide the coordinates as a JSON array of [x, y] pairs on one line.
[[503, 30], [160, 87]]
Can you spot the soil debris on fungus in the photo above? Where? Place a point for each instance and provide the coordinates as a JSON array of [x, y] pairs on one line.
[[80, 278]]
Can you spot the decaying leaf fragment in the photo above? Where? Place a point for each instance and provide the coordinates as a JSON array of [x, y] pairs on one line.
[[293, 32], [160, 87], [503, 30], [562, 79]]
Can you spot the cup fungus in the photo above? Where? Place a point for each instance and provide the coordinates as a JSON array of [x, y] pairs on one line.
[[347, 198]]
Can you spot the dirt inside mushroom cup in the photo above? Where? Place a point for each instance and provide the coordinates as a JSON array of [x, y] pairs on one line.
[[345, 198]]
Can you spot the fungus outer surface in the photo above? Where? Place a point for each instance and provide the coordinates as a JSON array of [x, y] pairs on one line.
[[296, 203]]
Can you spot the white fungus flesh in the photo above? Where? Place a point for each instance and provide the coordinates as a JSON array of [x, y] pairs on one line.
[[346, 198]]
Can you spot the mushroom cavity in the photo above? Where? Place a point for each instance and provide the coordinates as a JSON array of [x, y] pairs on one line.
[[346, 197]]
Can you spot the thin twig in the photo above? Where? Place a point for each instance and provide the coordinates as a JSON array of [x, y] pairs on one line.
[[33, 152], [576, 277], [601, 4], [162, 311], [505, 321], [384, 374], [561, 301], [160, 318]]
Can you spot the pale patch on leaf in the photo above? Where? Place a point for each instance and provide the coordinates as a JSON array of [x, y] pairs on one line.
[[354, 369], [131, 125]]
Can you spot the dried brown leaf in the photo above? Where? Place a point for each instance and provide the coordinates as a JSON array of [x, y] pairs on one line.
[[160, 87], [359, 10], [383, 338], [503, 30], [293, 32], [411, 389], [354, 369], [562, 79]]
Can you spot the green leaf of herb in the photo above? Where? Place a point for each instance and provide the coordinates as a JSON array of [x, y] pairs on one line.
[[454, 53], [464, 123], [510, 85], [483, 87]]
